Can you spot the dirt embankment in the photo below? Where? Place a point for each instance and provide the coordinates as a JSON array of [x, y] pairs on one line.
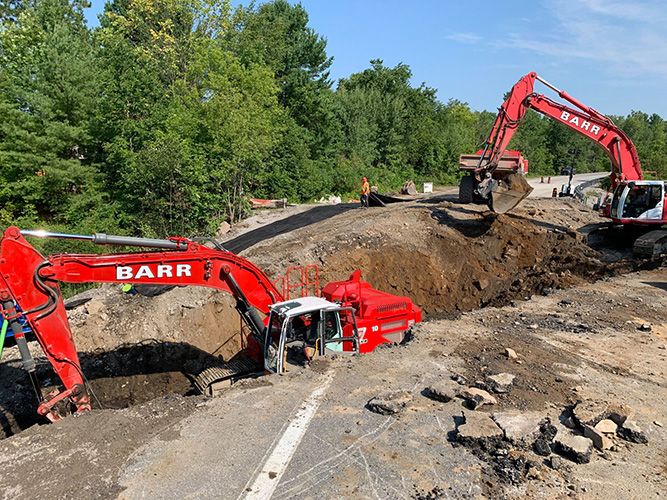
[[446, 257]]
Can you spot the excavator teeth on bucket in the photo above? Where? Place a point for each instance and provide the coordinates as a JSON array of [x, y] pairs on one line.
[[508, 193]]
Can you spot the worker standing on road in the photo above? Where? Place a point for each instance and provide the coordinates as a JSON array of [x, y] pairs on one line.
[[365, 192]]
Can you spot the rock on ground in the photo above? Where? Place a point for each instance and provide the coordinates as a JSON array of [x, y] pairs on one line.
[[600, 440], [576, 448], [592, 412], [443, 390], [606, 426], [500, 383], [630, 431], [478, 427], [477, 397], [521, 429], [389, 403]]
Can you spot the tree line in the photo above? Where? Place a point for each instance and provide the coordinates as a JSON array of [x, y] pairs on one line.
[[169, 115]]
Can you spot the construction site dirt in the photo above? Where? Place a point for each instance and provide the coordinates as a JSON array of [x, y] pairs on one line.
[[524, 324]]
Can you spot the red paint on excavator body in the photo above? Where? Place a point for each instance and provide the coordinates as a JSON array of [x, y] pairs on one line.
[[381, 317]]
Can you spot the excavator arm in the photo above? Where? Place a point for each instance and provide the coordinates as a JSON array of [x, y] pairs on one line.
[[581, 118], [30, 281]]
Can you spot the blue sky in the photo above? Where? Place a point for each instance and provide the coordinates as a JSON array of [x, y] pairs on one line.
[[610, 54]]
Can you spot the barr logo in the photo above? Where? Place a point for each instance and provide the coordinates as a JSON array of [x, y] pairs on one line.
[[153, 272], [579, 122]]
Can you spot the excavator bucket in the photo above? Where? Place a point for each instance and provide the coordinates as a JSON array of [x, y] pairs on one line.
[[509, 192]]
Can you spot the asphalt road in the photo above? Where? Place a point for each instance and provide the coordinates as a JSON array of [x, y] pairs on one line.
[[544, 190], [309, 435]]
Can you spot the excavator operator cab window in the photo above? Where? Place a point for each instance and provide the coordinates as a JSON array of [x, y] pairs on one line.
[[301, 340], [618, 192], [332, 331], [273, 340], [293, 339], [643, 201]]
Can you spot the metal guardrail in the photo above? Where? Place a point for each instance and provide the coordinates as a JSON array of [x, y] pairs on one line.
[[579, 190]]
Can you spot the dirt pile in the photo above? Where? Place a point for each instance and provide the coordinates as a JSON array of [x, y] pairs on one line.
[[201, 317], [517, 183], [446, 258]]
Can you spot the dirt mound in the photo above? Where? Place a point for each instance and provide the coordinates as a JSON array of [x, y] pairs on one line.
[[446, 258], [201, 317]]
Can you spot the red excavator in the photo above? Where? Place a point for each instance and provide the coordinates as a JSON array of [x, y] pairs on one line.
[[631, 201], [349, 317]]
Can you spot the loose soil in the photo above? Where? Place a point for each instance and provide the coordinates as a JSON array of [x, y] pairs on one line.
[[446, 257]]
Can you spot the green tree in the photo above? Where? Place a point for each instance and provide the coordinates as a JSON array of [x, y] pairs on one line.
[[276, 34], [47, 88], [531, 139]]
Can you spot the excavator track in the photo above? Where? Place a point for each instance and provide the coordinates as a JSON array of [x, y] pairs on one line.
[[596, 234], [651, 245], [214, 379]]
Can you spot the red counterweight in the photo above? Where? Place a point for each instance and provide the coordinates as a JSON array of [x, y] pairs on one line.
[[381, 317]]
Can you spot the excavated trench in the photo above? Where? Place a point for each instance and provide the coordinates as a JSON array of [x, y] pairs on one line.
[[150, 349], [446, 260]]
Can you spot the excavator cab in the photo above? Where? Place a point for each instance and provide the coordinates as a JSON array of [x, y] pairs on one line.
[[641, 201], [301, 329]]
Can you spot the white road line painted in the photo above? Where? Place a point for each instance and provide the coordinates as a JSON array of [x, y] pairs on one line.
[[266, 482]]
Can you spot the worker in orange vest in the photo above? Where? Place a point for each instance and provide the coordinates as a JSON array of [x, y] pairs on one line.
[[365, 191]]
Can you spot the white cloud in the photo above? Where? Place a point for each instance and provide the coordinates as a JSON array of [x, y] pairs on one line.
[[465, 37], [641, 11], [629, 37]]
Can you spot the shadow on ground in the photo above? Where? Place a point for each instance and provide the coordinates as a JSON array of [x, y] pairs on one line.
[[657, 284], [286, 225], [126, 376]]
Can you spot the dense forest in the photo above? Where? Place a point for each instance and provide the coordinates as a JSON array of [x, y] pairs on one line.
[[166, 117]]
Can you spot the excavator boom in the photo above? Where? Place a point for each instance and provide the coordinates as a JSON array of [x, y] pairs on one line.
[[631, 199], [581, 118], [31, 281]]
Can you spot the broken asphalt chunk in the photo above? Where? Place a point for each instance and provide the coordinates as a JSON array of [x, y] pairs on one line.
[[630, 431], [600, 440], [478, 429], [477, 397], [443, 390], [500, 383], [576, 448], [520, 429], [389, 403]]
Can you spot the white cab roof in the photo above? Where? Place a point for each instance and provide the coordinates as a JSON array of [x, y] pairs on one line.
[[303, 305]]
